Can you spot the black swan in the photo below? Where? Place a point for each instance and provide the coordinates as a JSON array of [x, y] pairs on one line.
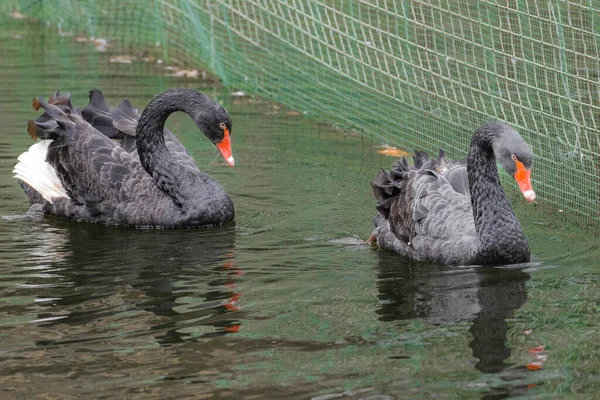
[[81, 172], [426, 213]]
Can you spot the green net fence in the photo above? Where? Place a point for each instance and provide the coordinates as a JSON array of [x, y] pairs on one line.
[[415, 74]]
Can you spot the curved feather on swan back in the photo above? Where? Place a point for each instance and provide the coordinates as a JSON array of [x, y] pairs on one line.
[[120, 123]]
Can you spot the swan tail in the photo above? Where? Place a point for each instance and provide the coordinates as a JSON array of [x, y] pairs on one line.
[[388, 184], [58, 114], [125, 118], [113, 122], [420, 158], [98, 114], [37, 177]]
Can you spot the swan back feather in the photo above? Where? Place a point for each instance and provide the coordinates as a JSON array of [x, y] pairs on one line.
[[420, 211]]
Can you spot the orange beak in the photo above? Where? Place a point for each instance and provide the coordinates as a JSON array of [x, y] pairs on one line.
[[224, 147], [523, 178]]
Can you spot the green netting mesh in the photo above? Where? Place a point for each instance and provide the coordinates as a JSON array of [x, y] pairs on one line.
[[418, 74]]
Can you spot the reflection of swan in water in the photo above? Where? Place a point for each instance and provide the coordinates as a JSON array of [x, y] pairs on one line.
[[186, 278], [35, 244], [501, 292], [445, 295]]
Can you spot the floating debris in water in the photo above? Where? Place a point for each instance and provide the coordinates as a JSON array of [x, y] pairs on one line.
[[392, 151], [185, 73], [16, 14], [178, 72], [100, 43], [239, 93], [122, 59]]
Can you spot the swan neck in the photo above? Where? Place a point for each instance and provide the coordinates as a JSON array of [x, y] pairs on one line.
[[497, 227], [484, 182], [150, 131], [151, 146]]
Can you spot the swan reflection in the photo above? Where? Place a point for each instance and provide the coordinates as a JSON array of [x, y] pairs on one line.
[[446, 295], [184, 279]]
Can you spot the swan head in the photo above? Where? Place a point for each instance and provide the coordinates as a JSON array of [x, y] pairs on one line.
[[214, 121], [208, 115], [514, 155]]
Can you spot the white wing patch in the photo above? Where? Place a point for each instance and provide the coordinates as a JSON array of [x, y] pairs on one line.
[[33, 169]]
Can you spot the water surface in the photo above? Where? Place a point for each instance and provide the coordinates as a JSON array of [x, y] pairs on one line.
[[286, 302]]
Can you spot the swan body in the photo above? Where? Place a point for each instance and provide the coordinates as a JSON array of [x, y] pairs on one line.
[[146, 178], [427, 213]]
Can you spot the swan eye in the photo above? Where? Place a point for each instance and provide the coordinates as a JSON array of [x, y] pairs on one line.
[[514, 158], [223, 126]]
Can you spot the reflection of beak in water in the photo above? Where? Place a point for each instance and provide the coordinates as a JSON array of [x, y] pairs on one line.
[[232, 303], [445, 295]]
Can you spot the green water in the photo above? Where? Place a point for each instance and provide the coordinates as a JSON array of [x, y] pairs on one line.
[[287, 302]]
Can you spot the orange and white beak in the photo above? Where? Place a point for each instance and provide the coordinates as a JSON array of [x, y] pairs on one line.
[[523, 178], [224, 147]]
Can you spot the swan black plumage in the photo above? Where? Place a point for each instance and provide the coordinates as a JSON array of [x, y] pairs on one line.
[[120, 123], [427, 213], [88, 172]]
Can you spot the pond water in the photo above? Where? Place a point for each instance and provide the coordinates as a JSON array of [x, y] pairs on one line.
[[288, 301]]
